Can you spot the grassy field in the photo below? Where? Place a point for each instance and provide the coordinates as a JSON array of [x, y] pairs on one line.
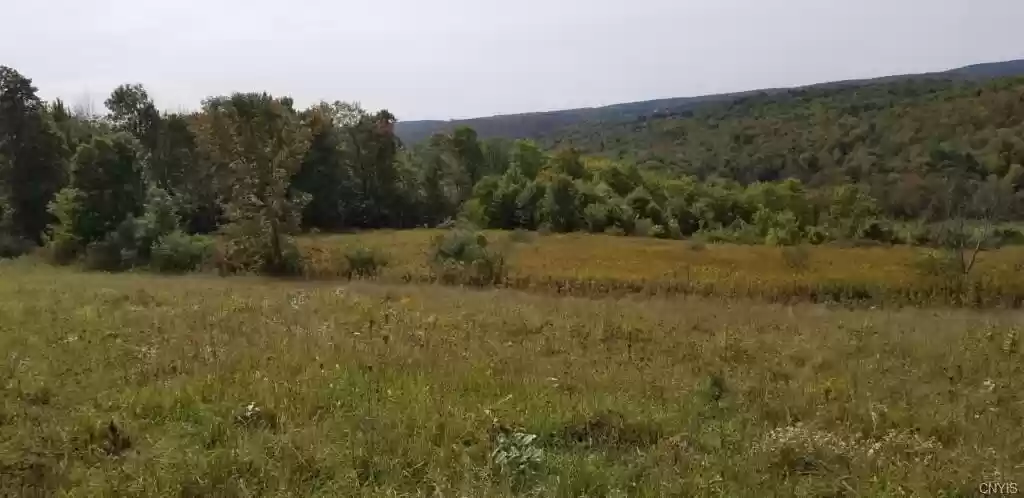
[[141, 385], [600, 265]]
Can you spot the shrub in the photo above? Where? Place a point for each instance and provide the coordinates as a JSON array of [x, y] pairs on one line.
[[596, 217], [817, 235], [62, 248], [63, 245], [463, 256], [246, 249], [104, 255], [364, 262], [474, 212], [623, 217], [878, 231], [12, 246], [1008, 236], [614, 230], [178, 252], [117, 251], [644, 227], [159, 218], [673, 229], [917, 235]]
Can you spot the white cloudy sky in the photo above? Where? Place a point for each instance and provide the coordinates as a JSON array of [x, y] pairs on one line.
[[463, 58]]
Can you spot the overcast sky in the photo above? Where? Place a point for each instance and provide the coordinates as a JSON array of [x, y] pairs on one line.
[[465, 58]]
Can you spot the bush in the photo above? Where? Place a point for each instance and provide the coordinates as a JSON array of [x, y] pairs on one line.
[[159, 218], [62, 248], [1008, 236], [596, 217], [364, 262], [104, 255], [247, 249], [117, 251], [817, 235], [474, 212], [12, 246], [644, 227], [178, 252], [614, 230], [917, 235], [673, 229], [623, 217], [879, 231], [63, 245], [463, 256]]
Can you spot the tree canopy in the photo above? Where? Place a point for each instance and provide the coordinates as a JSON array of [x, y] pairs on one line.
[[809, 165]]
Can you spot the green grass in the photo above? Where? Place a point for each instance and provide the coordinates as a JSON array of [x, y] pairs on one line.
[[140, 385]]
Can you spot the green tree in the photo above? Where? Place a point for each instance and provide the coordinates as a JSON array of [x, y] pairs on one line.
[[437, 202], [560, 208], [324, 173], [176, 167], [470, 156], [497, 153], [528, 158], [257, 143], [132, 111], [106, 176], [371, 152], [850, 210], [568, 162], [36, 156]]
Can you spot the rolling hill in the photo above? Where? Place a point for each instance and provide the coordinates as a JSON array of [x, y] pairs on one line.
[[540, 124]]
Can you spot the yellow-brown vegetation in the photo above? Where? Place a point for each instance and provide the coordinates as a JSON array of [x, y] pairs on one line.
[[143, 385], [599, 265]]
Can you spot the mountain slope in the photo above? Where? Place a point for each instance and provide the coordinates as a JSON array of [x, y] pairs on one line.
[[540, 124]]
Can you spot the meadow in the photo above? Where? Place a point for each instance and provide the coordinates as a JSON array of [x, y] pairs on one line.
[[145, 385], [588, 265]]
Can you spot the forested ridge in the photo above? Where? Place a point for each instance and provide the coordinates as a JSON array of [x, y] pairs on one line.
[[537, 125], [813, 165], [905, 141]]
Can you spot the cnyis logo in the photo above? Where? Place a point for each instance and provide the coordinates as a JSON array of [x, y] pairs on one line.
[[998, 488]]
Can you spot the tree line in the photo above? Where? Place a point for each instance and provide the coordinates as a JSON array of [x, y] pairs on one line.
[[140, 184], [908, 143]]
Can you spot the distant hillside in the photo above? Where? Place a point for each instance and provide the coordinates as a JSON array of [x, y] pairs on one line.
[[540, 124]]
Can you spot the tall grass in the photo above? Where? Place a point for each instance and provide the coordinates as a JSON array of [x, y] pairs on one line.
[[598, 265], [140, 385]]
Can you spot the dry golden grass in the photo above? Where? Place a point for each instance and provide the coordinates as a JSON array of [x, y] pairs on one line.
[[140, 385], [595, 265]]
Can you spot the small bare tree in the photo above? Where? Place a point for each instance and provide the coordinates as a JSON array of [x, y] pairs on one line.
[[968, 223]]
